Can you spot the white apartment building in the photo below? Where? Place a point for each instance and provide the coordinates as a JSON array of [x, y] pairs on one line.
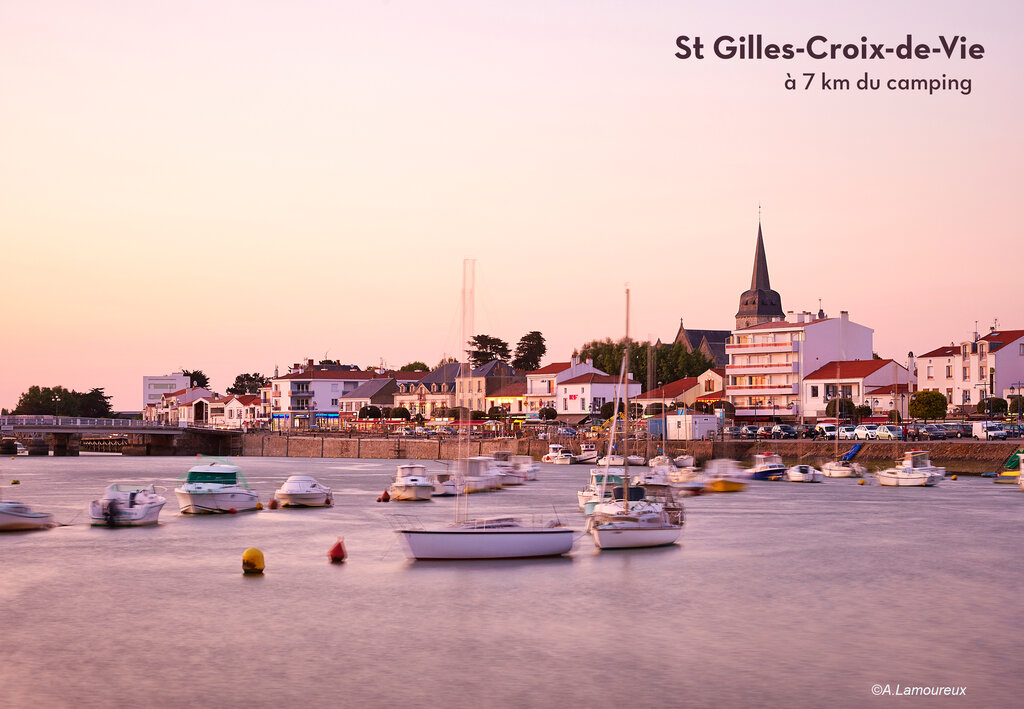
[[768, 361], [312, 396], [975, 369], [587, 393], [865, 382], [542, 384], [153, 387]]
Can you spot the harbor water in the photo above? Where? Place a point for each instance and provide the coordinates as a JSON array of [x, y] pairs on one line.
[[783, 595]]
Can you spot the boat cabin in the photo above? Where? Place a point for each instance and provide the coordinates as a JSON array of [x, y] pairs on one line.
[[766, 459], [216, 474]]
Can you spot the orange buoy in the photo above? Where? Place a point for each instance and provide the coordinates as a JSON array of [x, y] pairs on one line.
[[337, 553], [273, 504], [386, 497], [232, 511]]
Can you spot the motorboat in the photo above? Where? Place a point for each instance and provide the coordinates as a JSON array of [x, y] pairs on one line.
[[684, 461], [487, 538], [611, 460], [724, 475], [602, 480], [915, 470], [661, 461], [843, 469], [767, 466], [478, 474], [508, 472], [215, 488], [411, 484], [804, 473], [445, 484], [17, 516], [587, 454], [304, 491], [633, 522], [558, 454], [124, 505], [525, 466]]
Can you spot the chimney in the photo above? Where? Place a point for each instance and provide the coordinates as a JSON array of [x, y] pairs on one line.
[[800, 317], [844, 315], [789, 316]]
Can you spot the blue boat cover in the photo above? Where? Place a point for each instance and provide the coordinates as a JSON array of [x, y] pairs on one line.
[[848, 455]]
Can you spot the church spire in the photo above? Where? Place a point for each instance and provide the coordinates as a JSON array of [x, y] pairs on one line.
[[759, 279]]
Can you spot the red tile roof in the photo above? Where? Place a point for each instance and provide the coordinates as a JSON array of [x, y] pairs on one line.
[[670, 390], [248, 399], [851, 369], [999, 338], [713, 396], [594, 379], [901, 388], [947, 351], [553, 368]]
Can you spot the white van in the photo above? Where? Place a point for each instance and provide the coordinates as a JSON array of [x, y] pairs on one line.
[[826, 431], [988, 430]]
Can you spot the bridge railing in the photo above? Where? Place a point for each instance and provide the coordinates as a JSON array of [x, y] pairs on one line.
[[77, 421]]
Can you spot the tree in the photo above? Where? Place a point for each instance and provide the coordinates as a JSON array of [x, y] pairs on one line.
[[927, 405], [993, 405], [1015, 405], [399, 412], [369, 412], [894, 416], [655, 409], [672, 361], [446, 360], [94, 404], [547, 414], [196, 378], [484, 348], [862, 412], [477, 415], [47, 401], [458, 413], [725, 406], [416, 366], [846, 408], [608, 409], [529, 351], [497, 412], [248, 384], [635, 410], [418, 418]]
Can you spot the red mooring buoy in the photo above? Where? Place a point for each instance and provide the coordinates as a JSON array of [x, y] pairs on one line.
[[273, 504], [337, 553]]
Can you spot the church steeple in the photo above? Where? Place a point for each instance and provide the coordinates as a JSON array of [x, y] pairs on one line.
[[760, 303]]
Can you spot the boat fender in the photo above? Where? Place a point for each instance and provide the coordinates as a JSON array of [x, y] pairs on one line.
[[259, 505], [337, 553], [328, 501], [952, 477], [862, 481], [232, 511], [252, 561], [273, 504], [15, 482]]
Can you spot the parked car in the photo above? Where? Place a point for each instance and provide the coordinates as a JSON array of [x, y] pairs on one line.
[[956, 430], [764, 432], [805, 431], [826, 431], [782, 430], [925, 432], [567, 431], [889, 432], [748, 432], [1012, 430], [732, 432], [865, 432], [846, 432]]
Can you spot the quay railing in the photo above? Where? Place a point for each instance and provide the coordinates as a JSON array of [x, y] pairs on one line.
[[9, 422]]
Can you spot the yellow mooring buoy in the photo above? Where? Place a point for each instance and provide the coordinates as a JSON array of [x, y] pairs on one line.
[[862, 481], [952, 477], [252, 561]]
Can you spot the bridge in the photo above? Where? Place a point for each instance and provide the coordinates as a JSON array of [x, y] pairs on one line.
[[64, 434]]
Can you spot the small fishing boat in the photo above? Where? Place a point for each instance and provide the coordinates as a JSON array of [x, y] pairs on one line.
[[17, 516], [304, 491], [215, 488], [588, 453], [804, 474], [767, 466], [723, 475], [558, 454], [599, 488], [525, 466], [125, 505], [445, 484], [411, 484], [683, 461], [843, 469], [634, 523], [915, 470], [478, 474]]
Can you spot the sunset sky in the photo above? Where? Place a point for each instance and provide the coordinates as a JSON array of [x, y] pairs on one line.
[[230, 186]]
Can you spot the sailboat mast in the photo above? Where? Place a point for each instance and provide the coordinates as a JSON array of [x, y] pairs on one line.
[[468, 285], [625, 425]]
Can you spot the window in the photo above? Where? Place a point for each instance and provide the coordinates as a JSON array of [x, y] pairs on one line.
[[814, 392], [967, 374], [967, 396], [949, 371], [708, 385], [949, 394], [981, 373], [565, 404], [930, 372], [334, 402]]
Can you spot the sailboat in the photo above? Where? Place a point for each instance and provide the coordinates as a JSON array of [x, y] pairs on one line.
[[486, 538], [630, 521]]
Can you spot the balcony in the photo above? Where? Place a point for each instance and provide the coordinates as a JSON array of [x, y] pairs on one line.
[[762, 390], [763, 347], [784, 368]]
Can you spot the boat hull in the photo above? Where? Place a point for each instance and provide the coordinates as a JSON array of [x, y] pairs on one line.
[[302, 499], [216, 502], [131, 517], [769, 474], [516, 543], [411, 493], [923, 480], [612, 537], [22, 523], [724, 486], [831, 470]]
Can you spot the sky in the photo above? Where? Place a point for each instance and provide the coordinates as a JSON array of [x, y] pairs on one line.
[[234, 186]]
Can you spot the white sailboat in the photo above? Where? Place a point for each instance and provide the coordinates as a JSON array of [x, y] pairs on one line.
[[629, 521], [490, 538], [915, 470]]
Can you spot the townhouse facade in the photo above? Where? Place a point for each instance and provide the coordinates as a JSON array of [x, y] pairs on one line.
[[542, 384], [434, 393], [866, 382], [587, 393], [973, 370]]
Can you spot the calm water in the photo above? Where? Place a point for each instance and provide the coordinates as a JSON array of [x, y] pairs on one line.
[[784, 595]]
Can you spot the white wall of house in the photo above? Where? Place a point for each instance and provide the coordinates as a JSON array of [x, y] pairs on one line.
[[817, 392], [585, 398], [153, 387], [969, 371]]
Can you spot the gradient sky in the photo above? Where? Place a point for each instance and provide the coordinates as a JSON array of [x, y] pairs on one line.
[[233, 185]]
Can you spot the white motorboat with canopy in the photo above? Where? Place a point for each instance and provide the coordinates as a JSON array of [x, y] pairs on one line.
[[213, 488], [303, 491], [17, 516], [411, 484]]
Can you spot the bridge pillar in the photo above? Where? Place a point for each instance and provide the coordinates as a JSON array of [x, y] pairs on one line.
[[66, 443]]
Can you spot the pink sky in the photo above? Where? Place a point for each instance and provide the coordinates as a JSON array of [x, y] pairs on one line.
[[233, 185]]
